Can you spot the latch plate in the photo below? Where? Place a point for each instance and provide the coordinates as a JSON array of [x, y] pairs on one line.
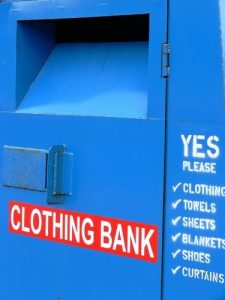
[[39, 170], [24, 168], [165, 70]]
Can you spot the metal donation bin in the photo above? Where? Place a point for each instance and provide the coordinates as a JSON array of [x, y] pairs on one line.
[[112, 150], [82, 105]]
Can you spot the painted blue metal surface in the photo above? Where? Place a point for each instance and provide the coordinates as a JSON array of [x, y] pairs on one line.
[[109, 180], [119, 153], [97, 79], [24, 168], [39, 10], [119, 148], [222, 26], [197, 59], [194, 205], [34, 44]]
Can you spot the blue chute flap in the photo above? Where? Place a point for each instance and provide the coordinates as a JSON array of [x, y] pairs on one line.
[[94, 79]]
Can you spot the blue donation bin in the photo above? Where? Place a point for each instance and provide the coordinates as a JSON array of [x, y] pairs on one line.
[[82, 116], [112, 138]]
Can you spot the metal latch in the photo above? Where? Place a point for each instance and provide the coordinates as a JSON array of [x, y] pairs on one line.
[[59, 174], [39, 170], [166, 50]]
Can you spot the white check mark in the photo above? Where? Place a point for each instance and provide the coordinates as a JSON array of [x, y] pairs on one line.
[[176, 221], [176, 186], [174, 271], [174, 254], [175, 204], [176, 237]]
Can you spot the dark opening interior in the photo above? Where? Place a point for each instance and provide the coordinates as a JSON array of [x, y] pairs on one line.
[[85, 66], [103, 29]]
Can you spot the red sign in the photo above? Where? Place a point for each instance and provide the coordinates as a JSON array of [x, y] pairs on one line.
[[115, 236]]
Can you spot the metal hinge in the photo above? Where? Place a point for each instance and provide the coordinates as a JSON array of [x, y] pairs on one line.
[[59, 174], [166, 50]]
